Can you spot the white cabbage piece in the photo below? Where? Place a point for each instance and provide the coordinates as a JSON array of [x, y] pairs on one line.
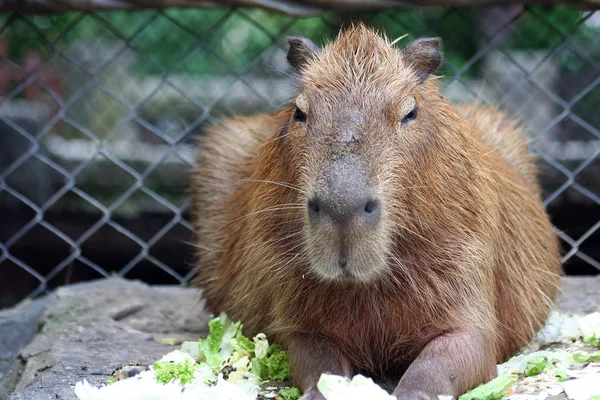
[[145, 387], [334, 387], [583, 388], [261, 345], [178, 357], [590, 325]]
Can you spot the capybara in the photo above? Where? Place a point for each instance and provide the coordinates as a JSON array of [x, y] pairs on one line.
[[371, 226]]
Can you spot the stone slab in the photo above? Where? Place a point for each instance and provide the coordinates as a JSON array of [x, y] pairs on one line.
[[17, 328], [89, 329], [580, 294]]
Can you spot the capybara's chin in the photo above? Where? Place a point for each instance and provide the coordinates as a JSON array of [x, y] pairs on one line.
[[347, 253]]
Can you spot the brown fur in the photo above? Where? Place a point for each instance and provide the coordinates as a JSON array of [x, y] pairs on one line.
[[469, 261]]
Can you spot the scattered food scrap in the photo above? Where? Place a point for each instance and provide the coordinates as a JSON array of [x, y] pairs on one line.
[[563, 360]]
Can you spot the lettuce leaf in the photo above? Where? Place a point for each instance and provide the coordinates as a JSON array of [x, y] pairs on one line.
[[536, 366], [165, 372], [274, 366], [278, 363], [210, 346], [586, 357], [560, 374], [259, 369], [593, 340], [494, 389], [289, 393], [242, 343]]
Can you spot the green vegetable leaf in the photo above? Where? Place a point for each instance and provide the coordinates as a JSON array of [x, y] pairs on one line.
[[559, 373], [586, 357], [289, 393], [111, 380], [274, 348], [165, 372], [210, 346], [494, 389], [243, 343], [593, 340], [278, 363], [259, 368], [536, 366]]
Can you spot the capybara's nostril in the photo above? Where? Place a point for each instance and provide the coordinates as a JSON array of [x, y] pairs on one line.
[[314, 206], [372, 206]]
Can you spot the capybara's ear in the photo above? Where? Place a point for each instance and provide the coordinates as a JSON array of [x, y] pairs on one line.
[[302, 50], [424, 56]]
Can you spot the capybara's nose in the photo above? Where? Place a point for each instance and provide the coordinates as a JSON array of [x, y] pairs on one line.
[[344, 209], [344, 194]]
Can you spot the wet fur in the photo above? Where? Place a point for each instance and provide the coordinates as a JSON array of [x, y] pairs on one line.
[[471, 245]]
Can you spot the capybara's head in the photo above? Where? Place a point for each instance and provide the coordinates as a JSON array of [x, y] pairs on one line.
[[357, 127]]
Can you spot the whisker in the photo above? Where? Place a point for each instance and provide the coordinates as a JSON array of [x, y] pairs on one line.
[[399, 225], [291, 223], [275, 139], [398, 39], [416, 187], [284, 184], [280, 267], [270, 243], [269, 209]]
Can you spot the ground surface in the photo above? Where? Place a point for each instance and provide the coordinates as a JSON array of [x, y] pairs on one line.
[[84, 331]]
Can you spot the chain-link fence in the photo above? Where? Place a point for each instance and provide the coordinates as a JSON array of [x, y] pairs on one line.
[[99, 110]]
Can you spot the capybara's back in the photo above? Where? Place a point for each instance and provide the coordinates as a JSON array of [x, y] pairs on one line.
[[371, 226], [529, 288]]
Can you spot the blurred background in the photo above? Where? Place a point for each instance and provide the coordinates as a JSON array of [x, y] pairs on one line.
[[99, 112]]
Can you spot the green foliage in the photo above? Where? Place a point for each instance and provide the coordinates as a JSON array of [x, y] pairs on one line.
[[226, 43], [586, 357], [210, 346], [559, 373], [543, 27], [543, 364], [274, 366], [259, 368], [536, 366], [455, 27], [494, 389], [288, 393], [166, 372], [207, 41], [243, 343], [33, 33], [278, 363], [593, 340]]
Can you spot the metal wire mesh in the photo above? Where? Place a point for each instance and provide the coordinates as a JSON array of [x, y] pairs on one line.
[[98, 113]]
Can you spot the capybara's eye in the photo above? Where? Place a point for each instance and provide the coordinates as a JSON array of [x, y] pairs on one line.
[[299, 115], [409, 117]]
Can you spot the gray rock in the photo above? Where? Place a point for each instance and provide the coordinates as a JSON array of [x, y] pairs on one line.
[[90, 329], [580, 294], [9, 380], [17, 328]]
